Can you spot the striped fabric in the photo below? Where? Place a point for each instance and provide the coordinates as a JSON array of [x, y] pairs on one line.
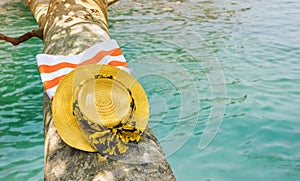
[[54, 67]]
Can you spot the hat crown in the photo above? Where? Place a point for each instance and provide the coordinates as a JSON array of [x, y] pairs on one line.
[[104, 101]]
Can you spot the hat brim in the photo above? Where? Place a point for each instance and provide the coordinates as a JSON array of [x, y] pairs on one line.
[[62, 107]]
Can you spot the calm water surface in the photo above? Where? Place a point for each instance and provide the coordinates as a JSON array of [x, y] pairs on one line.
[[201, 63]]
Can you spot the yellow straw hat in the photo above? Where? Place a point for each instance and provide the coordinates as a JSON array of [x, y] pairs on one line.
[[100, 108]]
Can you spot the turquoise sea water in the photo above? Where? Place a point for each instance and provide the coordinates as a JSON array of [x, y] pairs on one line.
[[229, 68]]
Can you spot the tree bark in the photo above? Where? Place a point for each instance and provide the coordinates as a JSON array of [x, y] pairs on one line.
[[69, 27]]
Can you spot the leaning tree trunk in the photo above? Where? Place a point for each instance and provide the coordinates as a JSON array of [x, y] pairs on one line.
[[69, 27]]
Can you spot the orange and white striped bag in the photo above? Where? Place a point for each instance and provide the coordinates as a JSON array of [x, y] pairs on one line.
[[54, 67]]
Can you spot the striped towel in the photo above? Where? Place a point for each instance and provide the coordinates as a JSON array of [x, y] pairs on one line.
[[54, 67]]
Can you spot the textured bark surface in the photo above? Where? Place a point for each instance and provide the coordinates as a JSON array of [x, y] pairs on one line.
[[70, 26]]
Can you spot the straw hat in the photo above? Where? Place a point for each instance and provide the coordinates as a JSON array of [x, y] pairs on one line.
[[100, 108]]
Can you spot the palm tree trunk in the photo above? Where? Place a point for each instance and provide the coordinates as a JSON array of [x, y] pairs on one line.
[[69, 27]]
